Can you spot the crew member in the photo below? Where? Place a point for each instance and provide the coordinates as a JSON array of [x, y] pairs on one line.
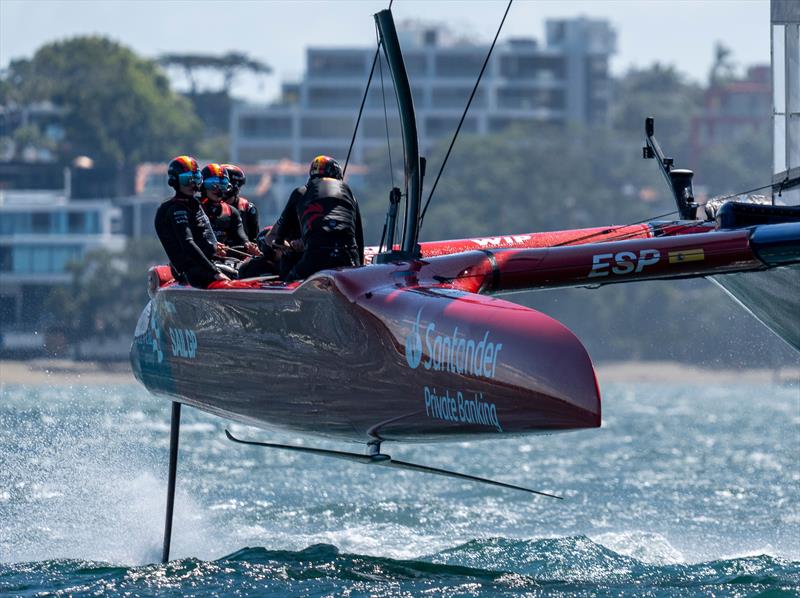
[[225, 219], [184, 230], [324, 214], [247, 209]]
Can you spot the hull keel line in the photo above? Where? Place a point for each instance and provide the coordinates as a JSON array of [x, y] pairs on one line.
[[377, 458]]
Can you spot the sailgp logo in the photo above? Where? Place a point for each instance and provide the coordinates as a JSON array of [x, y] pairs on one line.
[[414, 345], [453, 353]]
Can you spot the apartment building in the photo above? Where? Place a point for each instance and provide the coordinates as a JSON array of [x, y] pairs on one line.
[[564, 80], [41, 232]]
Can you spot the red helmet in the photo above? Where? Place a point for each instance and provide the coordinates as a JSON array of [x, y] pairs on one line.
[[215, 177], [183, 171], [325, 166]]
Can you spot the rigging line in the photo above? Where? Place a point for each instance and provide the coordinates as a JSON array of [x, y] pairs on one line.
[[743, 192], [681, 227], [464, 115], [610, 229], [361, 109]]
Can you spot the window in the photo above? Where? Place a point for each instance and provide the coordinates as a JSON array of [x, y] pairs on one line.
[[437, 126], [456, 97], [76, 222], [15, 224], [327, 127], [253, 155], [5, 258], [21, 260], [62, 256], [521, 98], [375, 128], [416, 64], [265, 127], [337, 64], [334, 97], [8, 309], [40, 222], [93, 222], [458, 65], [40, 259]]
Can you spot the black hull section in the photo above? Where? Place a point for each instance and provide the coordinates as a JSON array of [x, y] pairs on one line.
[[772, 296]]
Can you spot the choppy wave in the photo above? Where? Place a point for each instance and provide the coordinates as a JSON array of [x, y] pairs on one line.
[[683, 491], [497, 566]]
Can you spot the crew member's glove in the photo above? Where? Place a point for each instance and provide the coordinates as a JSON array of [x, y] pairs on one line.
[[222, 250], [252, 248]]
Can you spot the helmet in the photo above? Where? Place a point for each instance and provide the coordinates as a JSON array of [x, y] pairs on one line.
[[183, 171], [215, 177], [325, 166], [236, 175]]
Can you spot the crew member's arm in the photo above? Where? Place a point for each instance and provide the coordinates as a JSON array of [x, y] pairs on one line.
[[183, 233], [236, 233], [250, 219], [287, 226]]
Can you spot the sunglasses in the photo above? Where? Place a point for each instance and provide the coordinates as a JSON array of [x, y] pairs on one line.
[[215, 183], [190, 178]]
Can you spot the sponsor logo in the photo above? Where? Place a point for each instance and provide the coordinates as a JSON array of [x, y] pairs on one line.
[[452, 353], [414, 345], [624, 262], [498, 241], [454, 407], [184, 342], [687, 255]]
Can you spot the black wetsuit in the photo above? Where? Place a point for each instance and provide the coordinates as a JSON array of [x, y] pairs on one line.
[[226, 223], [187, 237], [249, 213], [324, 213]]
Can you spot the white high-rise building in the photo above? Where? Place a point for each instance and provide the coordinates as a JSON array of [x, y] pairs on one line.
[[565, 81]]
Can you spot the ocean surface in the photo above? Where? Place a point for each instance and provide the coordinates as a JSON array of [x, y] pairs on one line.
[[685, 490]]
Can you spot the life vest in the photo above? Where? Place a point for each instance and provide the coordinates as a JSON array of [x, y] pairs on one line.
[[220, 223], [242, 204]]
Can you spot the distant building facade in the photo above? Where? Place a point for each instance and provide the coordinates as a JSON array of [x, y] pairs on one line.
[[565, 81], [734, 110], [41, 232], [785, 38]]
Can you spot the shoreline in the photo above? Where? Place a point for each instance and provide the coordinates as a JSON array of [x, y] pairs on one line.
[[65, 372]]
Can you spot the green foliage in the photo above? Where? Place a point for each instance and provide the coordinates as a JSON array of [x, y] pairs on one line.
[[230, 65], [107, 292], [662, 92], [120, 108]]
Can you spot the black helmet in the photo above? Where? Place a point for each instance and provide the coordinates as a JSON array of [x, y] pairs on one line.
[[236, 175], [183, 171], [325, 166]]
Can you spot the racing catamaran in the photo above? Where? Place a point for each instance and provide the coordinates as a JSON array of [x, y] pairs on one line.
[[416, 346]]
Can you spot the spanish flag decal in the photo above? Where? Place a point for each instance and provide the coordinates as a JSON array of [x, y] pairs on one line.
[[686, 255]]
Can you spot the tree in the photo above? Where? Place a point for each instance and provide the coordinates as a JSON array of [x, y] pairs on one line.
[[120, 109], [229, 65], [659, 91], [107, 292]]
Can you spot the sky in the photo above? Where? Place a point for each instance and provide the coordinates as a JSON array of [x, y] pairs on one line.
[[678, 32]]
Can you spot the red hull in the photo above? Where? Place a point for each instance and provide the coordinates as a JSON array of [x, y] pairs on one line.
[[412, 351]]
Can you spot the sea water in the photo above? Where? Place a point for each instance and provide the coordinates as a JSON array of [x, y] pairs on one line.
[[686, 489]]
